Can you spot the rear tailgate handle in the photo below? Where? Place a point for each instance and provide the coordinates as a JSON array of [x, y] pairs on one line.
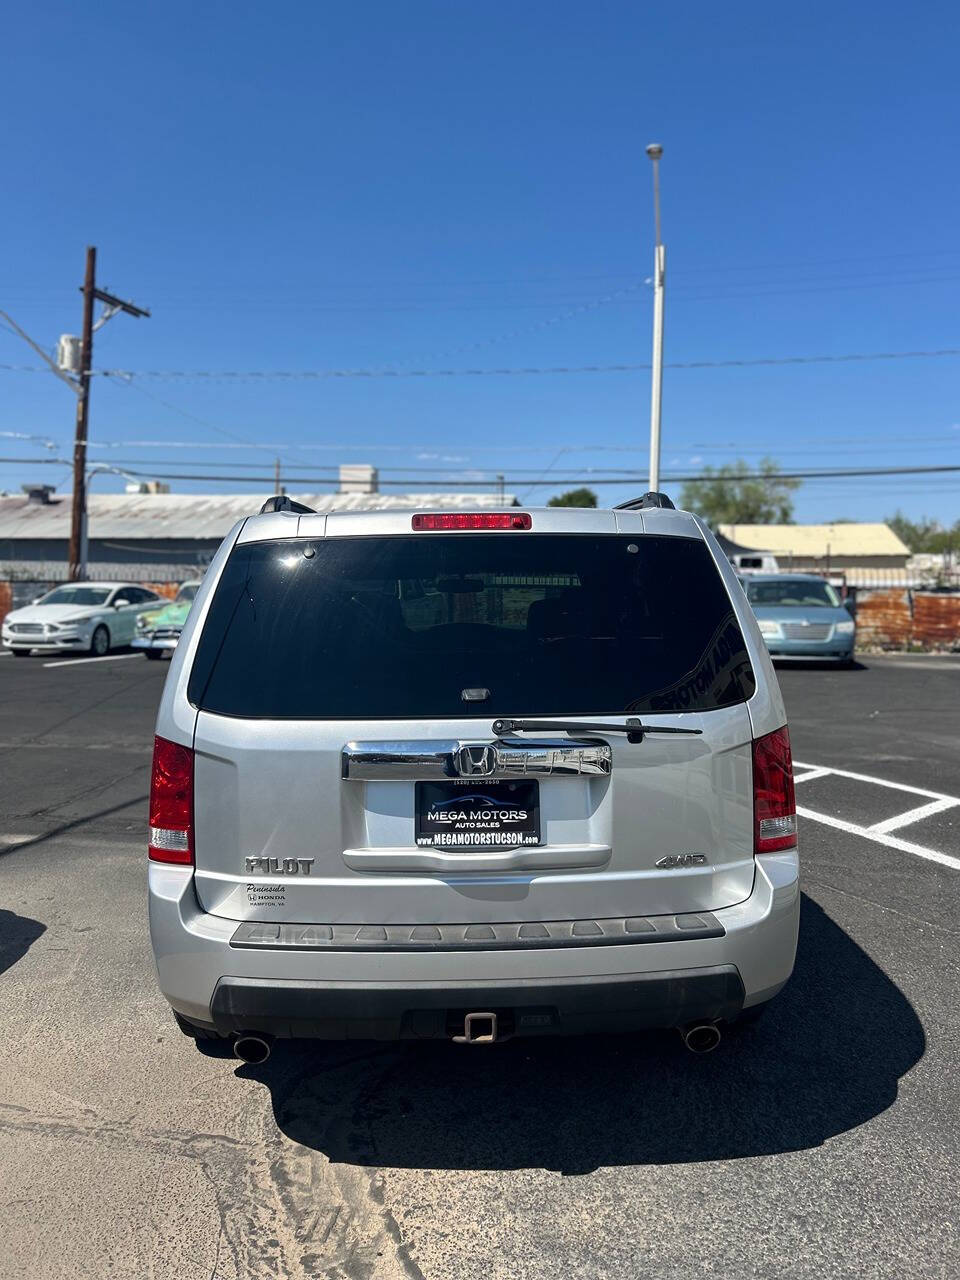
[[437, 759]]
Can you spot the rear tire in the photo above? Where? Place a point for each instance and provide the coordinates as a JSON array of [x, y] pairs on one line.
[[154, 655], [195, 1030], [100, 641]]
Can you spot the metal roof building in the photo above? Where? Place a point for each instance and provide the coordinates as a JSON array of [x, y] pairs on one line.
[[822, 547], [165, 537]]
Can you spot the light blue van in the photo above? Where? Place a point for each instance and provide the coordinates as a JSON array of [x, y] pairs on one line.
[[800, 616]]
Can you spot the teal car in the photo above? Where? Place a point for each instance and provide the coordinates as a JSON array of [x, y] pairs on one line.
[[158, 630], [801, 617]]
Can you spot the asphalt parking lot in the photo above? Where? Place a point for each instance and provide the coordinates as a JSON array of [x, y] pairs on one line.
[[824, 1142]]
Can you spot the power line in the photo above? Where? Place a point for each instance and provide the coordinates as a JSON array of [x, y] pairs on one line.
[[758, 362], [618, 295], [106, 450], [521, 475], [689, 278], [732, 293], [561, 473], [238, 441], [622, 478], [274, 375], [426, 450], [492, 472]]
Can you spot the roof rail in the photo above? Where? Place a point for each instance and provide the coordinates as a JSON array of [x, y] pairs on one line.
[[280, 502], [650, 499]]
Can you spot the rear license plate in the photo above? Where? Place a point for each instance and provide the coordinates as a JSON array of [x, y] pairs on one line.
[[477, 815]]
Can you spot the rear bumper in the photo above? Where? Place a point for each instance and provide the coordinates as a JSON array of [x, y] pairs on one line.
[[341, 994], [148, 642], [417, 1011], [840, 649]]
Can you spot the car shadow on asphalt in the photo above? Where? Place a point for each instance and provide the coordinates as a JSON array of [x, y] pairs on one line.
[[17, 936], [826, 1058]]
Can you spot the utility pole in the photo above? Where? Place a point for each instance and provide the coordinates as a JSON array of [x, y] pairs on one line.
[[78, 515], [79, 510], [276, 476], [655, 151]]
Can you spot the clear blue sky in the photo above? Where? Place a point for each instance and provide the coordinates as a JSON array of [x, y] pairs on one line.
[[431, 184]]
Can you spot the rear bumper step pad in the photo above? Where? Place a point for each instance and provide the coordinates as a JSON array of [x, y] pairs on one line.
[[520, 936]]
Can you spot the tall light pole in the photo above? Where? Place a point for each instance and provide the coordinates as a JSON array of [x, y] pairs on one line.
[[655, 151], [101, 468]]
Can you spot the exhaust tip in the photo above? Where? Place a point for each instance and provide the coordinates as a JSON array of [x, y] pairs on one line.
[[252, 1049], [701, 1037]]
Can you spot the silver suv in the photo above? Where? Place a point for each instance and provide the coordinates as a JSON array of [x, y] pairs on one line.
[[470, 775]]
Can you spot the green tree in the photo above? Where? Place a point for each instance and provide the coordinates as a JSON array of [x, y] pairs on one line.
[[574, 498], [925, 536], [737, 493]]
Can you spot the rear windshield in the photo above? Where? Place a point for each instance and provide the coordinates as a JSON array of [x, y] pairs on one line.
[[440, 625]]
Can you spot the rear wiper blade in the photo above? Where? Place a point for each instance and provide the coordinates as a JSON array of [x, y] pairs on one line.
[[633, 728]]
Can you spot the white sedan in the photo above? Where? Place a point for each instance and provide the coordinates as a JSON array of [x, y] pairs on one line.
[[84, 616]]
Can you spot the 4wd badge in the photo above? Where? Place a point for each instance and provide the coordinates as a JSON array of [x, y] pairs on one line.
[[682, 860]]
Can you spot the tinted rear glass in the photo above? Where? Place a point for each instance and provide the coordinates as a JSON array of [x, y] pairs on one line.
[[401, 627]]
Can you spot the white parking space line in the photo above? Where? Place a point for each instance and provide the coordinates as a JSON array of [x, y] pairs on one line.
[[821, 770], [913, 815], [78, 662], [880, 832], [891, 842], [808, 777], [920, 666], [6, 654]]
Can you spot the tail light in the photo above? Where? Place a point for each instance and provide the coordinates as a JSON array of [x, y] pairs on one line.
[[774, 799], [171, 803], [472, 520]]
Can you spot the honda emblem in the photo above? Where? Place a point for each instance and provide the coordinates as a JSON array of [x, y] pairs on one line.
[[475, 761]]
